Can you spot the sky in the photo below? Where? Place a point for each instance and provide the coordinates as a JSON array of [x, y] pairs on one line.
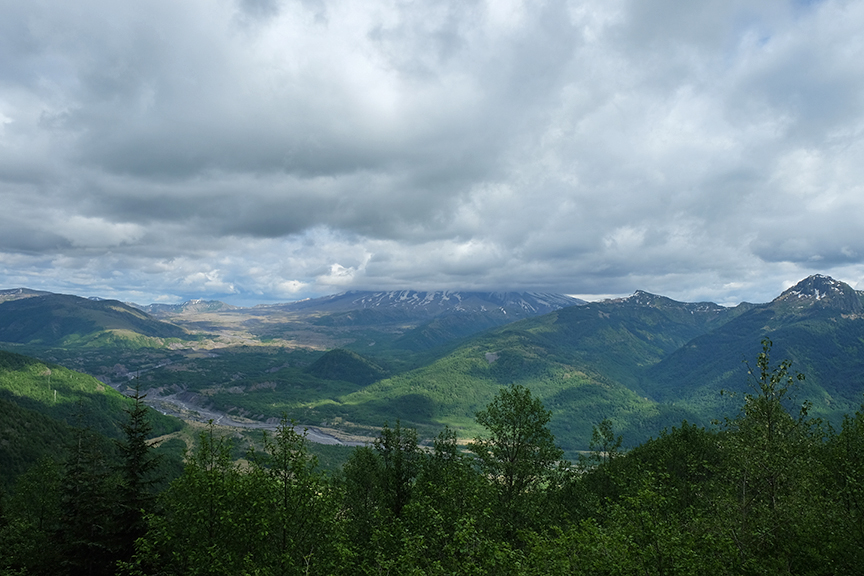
[[258, 151]]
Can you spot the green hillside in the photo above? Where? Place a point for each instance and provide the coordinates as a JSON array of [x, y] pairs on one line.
[[451, 390], [826, 346], [443, 330], [645, 362], [340, 364], [584, 362], [62, 320], [39, 403]]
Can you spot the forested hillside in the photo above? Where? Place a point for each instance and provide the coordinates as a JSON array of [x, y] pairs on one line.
[[41, 404], [351, 361], [768, 491]]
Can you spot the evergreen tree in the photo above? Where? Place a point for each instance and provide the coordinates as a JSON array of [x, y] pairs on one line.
[[137, 470], [28, 540], [85, 534]]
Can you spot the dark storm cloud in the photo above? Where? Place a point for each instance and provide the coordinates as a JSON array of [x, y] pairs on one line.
[[266, 149]]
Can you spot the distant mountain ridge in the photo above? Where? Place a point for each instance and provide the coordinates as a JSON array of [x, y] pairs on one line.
[[816, 323], [437, 302], [425, 320], [189, 307], [820, 292], [644, 361], [64, 320], [19, 293]]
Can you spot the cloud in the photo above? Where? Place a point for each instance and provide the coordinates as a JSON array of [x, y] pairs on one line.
[[259, 150]]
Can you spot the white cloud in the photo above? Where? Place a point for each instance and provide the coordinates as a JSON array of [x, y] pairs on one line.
[[256, 149]]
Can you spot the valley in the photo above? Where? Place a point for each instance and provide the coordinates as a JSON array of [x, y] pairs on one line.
[[345, 365]]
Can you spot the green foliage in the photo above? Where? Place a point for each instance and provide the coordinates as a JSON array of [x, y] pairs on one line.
[[277, 515], [518, 453], [208, 522], [770, 469], [770, 492], [400, 459], [27, 436], [85, 536], [297, 532], [138, 475], [32, 519], [451, 510], [604, 444], [843, 461], [340, 364], [39, 404]]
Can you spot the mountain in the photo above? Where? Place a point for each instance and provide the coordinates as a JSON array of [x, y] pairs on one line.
[[584, 362], [20, 293], [347, 366], [819, 293], [419, 321], [514, 305], [433, 358], [195, 306], [646, 362], [818, 324], [63, 320]]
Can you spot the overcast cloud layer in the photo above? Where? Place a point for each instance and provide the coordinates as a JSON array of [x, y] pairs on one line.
[[266, 150]]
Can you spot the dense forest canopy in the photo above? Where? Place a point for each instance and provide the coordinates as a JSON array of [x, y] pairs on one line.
[[769, 491]]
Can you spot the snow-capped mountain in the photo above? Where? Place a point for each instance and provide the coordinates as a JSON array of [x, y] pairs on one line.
[[820, 292], [431, 304]]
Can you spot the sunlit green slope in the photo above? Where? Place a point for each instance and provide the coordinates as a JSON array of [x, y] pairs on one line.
[[39, 402], [584, 362]]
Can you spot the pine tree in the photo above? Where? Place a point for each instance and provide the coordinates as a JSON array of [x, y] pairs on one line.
[[85, 536], [137, 471]]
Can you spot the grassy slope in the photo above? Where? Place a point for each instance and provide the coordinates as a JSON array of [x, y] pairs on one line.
[[39, 403]]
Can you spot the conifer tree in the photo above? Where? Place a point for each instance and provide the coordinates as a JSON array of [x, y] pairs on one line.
[[85, 535], [137, 470]]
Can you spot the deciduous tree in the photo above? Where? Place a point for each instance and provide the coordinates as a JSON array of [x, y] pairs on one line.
[[518, 454]]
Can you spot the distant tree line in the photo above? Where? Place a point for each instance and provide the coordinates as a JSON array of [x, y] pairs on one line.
[[770, 491]]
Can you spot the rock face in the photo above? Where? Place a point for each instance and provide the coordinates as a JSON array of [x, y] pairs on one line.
[[820, 292]]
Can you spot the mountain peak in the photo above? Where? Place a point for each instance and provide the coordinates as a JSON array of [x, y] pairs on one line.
[[434, 303], [820, 291]]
